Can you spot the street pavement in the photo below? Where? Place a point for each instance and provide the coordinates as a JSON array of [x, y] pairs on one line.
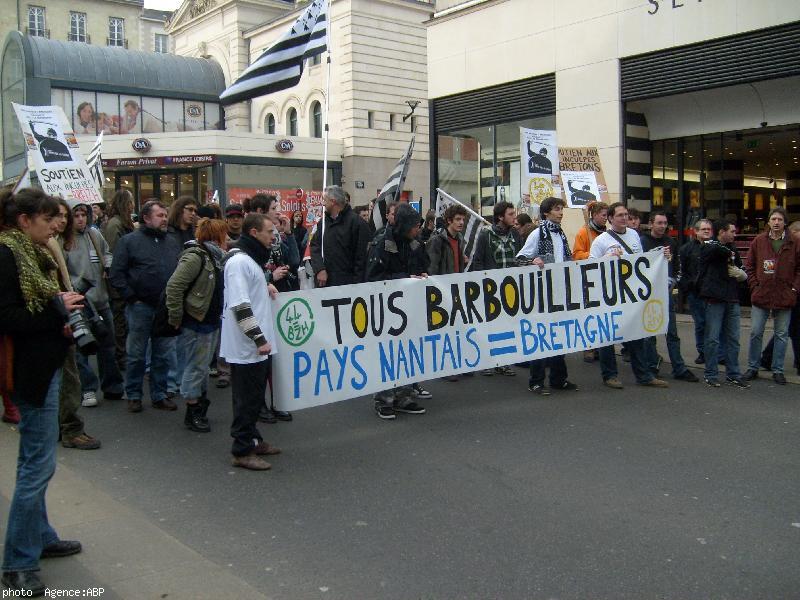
[[683, 493]]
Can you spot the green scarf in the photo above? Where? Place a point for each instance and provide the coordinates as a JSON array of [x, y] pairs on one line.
[[36, 268]]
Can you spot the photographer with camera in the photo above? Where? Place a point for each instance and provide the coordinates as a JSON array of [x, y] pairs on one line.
[[70, 423], [32, 309], [88, 260]]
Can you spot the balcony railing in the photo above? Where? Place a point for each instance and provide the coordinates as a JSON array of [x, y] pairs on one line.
[[77, 37], [117, 42], [38, 32]]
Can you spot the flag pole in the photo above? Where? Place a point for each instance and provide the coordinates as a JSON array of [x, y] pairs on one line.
[[326, 133]]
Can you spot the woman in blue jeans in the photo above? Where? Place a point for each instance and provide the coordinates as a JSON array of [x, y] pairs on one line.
[[194, 302], [33, 314]]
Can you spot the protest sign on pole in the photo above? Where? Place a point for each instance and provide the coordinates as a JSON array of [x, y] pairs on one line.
[[539, 177], [336, 343], [586, 161], [53, 148]]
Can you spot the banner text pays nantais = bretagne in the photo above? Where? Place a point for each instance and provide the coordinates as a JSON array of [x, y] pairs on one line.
[[343, 342]]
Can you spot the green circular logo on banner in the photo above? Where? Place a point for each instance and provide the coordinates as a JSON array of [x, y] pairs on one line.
[[296, 322]]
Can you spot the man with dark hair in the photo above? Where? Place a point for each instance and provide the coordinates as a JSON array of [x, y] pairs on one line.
[[398, 254], [548, 244], [497, 246], [718, 278], [688, 283], [634, 219], [234, 216], [345, 237], [363, 212], [260, 203], [143, 263], [617, 241], [446, 247], [773, 274], [248, 338], [659, 238]]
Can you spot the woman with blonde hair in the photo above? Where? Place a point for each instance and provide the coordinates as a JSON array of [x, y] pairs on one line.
[[194, 303]]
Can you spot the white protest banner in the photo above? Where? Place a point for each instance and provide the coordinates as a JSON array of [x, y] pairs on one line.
[[580, 188], [539, 177], [53, 147], [336, 343]]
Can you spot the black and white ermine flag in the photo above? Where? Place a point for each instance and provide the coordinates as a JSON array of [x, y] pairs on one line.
[[392, 188], [472, 227], [95, 162], [281, 65]]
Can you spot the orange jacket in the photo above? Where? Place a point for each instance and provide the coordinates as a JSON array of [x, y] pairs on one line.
[[583, 242]]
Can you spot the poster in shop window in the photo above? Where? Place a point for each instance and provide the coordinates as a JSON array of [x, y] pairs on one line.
[[53, 150], [539, 167], [308, 202], [582, 176]]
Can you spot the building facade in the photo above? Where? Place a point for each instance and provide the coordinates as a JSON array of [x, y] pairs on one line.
[[694, 106], [378, 50]]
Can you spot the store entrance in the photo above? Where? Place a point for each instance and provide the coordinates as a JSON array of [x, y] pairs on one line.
[[162, 185]]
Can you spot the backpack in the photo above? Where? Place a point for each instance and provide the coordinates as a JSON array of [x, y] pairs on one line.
[[161, 326]]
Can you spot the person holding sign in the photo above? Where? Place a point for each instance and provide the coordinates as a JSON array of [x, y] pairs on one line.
[[548, 244], [248, 338], [618, 241]]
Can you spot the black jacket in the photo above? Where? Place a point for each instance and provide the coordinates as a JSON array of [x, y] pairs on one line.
[[143, 263], [394, 256], [346, 239], [713, 281], [690, 266], [40, 347], [651, 243]]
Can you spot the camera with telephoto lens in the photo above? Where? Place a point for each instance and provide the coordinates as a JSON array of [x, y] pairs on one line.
[[86, 324]]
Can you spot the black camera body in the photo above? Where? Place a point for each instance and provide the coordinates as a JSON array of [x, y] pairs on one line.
[[86, 324]]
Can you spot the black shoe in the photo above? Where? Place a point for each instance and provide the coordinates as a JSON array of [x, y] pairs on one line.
[[26, 582], [194, 419], [711, 382], [410, 408], [266, 415], [61, 548], [737, 383], [779, 378], [567, 386], [282, 415], [385, 412], [539, 390], [687, 376], [700, 360], [749, 375]]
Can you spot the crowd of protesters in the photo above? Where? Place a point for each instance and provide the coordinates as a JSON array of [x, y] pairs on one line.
[[183, 295]]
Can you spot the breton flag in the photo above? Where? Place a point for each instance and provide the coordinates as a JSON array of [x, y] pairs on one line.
[[281, 65], [391, 189], [24, 181], [474, 225], [95, 163]]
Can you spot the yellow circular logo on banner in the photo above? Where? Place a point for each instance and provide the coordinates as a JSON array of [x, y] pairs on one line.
[[540, 188], [653, 316]]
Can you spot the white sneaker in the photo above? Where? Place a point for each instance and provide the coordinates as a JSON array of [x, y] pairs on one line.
[[89, 399]]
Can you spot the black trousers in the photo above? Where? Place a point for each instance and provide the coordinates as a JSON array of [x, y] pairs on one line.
[[558, 371], [248, 386]]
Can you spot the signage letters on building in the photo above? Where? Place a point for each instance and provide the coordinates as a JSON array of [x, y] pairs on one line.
[[284, 146], [141, 145], [656, 4]]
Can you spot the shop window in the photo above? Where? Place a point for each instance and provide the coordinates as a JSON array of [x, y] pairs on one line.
[[173, 115], [36, 22], [291, 122], [194, 115], [131, 116], [214, 119], [152, 115], [77, 27], [269, 124], [316, 120], [84, 114], [108, 120]]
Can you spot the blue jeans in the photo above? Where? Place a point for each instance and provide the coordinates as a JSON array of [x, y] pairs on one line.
[[197, 349], [722, 328], [697, 307], [558, 371], [140, 323], [640, 353], [28, 530], [673, 346], [106, 362], [758, 319]]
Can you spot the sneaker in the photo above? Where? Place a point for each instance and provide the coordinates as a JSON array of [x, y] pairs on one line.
[[613, 382], [505, 371], [251, 462], [410, 408], [213, 372], [711, 382], [264, 449], [487, 372], [223, 381], [779, 378], [737, 383], [539, 390], [567, 386], [750, 374], [687, 376], [656, 382], [89, 399], [421, 392], [385, 412], [81, 442], [700, 360]]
